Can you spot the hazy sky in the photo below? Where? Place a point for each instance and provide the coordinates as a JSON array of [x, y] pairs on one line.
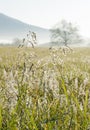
[[46, 13]]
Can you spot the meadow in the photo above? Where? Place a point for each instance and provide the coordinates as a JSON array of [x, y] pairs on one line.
[[44, 89]]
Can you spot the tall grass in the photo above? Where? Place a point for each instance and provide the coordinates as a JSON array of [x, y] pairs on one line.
[[42, 89]]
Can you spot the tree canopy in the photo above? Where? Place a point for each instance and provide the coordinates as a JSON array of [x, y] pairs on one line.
[[65, 33]]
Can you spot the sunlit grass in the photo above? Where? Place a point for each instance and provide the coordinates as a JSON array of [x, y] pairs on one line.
[[42, 89]]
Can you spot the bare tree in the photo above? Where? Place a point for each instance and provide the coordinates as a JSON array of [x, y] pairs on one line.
[[65, 33], [16, 41]]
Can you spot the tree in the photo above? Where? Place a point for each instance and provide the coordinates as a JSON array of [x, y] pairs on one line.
[[65, 33], [16, 41]]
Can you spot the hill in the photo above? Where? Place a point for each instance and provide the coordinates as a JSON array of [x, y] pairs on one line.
[[11, 28]]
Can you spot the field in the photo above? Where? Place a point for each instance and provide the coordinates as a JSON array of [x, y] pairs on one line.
[[44, 89]]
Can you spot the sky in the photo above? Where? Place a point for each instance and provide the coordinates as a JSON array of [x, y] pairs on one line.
[[46, 13]]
